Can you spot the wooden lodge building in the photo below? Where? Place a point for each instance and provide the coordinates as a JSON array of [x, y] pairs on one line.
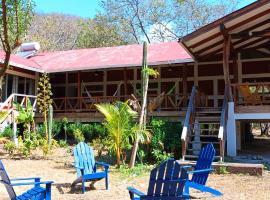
[[214, 80]]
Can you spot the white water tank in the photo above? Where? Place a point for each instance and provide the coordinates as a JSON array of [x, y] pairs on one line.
[[30, 46]]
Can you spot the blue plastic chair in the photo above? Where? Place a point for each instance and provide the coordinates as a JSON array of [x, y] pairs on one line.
[[35, 193], [86, 166], [166, 183], [201, 171]]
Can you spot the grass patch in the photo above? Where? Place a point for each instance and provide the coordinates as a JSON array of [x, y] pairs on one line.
[[137, 171]]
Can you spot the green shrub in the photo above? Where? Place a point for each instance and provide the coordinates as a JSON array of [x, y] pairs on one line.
[[100, 145], [8, 132], [78, 135], [63, 144], [165, 132], [10, 147]]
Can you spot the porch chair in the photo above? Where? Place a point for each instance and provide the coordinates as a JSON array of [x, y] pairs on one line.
[[35, 193], [200, 172], [86, 166], [249, 97], [166, 183]]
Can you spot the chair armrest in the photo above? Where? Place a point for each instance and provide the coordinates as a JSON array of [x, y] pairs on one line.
[[200, 171], [24, 179], [103, 164], [135, 191], [31, 183], [78, 167]]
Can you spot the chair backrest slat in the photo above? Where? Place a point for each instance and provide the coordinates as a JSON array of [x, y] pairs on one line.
[[168, 176], [161, 177], [205, 160], [152, 182], [84, 158], [6, 181]]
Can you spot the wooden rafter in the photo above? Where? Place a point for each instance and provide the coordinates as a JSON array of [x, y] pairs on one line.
[[237, 25]]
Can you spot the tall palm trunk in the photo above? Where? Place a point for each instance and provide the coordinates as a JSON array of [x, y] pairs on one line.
[[118, 157], [142, 120]]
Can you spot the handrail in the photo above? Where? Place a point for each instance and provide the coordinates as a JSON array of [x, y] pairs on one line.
[[222, 133], [189, 119], [8, 106]]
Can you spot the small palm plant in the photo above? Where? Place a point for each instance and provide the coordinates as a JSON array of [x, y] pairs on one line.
[[121, 126]]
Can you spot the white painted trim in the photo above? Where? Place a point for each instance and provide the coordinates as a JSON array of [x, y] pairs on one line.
[[231, 131]]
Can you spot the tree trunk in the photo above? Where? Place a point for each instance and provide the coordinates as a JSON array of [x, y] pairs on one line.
[[142, 120], [118, 157]]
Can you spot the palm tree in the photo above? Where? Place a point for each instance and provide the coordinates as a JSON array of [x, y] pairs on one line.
[[121, 126]]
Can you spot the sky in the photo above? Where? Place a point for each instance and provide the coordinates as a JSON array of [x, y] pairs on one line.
[[84, 8]]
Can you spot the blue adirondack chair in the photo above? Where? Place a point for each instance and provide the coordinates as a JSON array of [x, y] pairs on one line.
[[86, 166], [201, 171], [166, 183], [35, 193]]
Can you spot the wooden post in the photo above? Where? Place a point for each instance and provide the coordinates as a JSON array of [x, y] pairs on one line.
[[79, 84], [66, 90], [105, 83], [185, 85], [235, 69], [79, 94], [125, 82], [226, 56]]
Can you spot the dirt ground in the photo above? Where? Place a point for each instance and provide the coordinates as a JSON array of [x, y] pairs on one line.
[[59, 169]]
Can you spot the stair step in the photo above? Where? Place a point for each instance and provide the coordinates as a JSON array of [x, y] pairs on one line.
[[202, 142], [215, 136], [208, 129]]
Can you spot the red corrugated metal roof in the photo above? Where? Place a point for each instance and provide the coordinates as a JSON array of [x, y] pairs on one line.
[[20, 62], [111, 57]]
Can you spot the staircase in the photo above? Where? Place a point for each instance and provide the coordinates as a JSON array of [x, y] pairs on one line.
[[204, 125], [9, 109], [205, 131]]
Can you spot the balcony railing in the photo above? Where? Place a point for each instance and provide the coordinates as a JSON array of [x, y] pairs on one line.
[[87, 104], [251, 93]]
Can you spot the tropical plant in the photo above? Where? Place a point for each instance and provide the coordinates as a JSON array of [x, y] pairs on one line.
[[10, 147], [44, 99], [78, 135], [8, 132], [25, 117], [65, 126], [119, 121]]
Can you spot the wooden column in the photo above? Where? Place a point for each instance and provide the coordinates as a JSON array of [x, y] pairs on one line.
[[105, 83], [184, 80], [125, 82], [66, 90], [226, 69], [235, 69], [79, 83]]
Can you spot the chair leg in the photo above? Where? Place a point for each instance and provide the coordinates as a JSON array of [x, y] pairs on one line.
[[48, 194], [83, 185], [107, 181]]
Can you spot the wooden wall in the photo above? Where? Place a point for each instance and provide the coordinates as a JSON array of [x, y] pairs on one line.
[[207, 75]]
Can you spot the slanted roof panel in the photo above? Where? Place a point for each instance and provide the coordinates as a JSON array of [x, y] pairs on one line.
[[111, 57], [20, 62]]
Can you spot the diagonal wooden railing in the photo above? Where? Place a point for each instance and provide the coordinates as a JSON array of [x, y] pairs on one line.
[[222, 133], [189, 121], [8, 105]]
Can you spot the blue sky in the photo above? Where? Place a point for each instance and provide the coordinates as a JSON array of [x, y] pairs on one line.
[[83, 8]]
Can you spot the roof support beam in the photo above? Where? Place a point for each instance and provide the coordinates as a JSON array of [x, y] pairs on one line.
[[252, 34], [226, 56]]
